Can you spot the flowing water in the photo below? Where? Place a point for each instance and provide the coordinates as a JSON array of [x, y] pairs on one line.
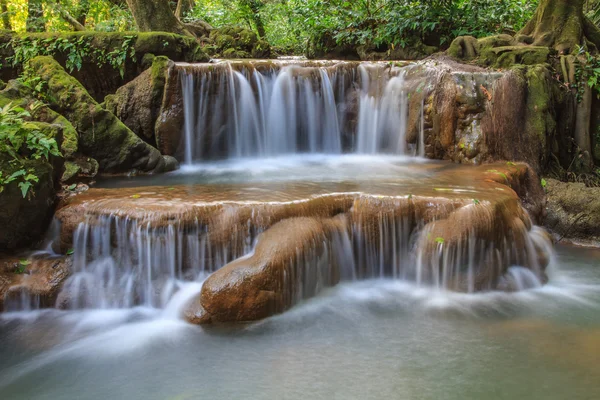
[[259, 138], [366, 340]]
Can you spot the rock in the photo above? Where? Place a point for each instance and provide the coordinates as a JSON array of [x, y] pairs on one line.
[[238, 42], [138, 103], [573, 212], [25, 219], [307, 241], [97, 76], [170, 121], [265, 283], [35, 280], [327, 48], [18, 94], [81, 168], [101, 135]]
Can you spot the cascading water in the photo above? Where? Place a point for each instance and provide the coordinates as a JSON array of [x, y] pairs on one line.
[[234, 110]]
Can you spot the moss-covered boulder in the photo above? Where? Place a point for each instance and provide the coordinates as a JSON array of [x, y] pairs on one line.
[[18, 93], [101, 135], [237, 42], [138, 103], [25, 212], [101, 61]]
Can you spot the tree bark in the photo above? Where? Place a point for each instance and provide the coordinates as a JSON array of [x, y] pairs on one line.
[[5, 16], [562, 25], [82, 11], [35, 16], [156, 15], [255, 6], [184, 7]]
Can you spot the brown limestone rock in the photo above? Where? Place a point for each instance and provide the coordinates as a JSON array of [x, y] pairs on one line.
[[37, 279], [265, 282]]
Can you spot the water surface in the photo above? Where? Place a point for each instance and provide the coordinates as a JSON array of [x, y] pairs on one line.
[[380, 339]]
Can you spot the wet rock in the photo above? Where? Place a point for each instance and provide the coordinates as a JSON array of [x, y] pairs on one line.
[[573, 212], [285, 267], [32, 282]]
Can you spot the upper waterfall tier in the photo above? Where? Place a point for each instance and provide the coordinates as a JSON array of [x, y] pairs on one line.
[[249, 109]]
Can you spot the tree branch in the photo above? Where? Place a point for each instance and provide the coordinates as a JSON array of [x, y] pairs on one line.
[[64, 14]]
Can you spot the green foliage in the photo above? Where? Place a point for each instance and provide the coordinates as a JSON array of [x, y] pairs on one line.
[[587, 73], [74, 49], [383, 23], [22, 140], [21, 268], [592, 8], [96, 15]]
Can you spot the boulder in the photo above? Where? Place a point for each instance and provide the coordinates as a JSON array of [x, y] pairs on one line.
[[98, 76], [573, 212], [101, 135], [237, 42], [32, 282], [24, 218], [137, 104]]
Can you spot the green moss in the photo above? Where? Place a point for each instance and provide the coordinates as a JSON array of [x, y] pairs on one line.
[[539, 102], [16, 93], [507, 56], [71, 171], [102, 135]]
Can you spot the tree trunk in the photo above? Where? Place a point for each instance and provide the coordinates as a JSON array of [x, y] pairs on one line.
[[184, 7], [82, 11], [156, 15], [255, 6], [5, 16], [35, 16], [560, 24]]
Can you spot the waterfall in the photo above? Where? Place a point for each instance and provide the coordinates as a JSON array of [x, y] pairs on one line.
[[234, 110]]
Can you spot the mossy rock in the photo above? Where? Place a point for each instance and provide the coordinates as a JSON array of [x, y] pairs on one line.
[[81, 168], [17, 93], [507, 56], [237, 42], [99, 78], [24, 219], [137, 104], [101, 135]]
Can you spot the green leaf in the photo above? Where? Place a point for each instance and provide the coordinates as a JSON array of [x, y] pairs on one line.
[[70, 252], [72, 187], [544, 183], [25, 186], [439, 240]]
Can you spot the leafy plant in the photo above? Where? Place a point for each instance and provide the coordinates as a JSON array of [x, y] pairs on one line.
[[74, 49], [21, 268], [587, 73], [22, 140]]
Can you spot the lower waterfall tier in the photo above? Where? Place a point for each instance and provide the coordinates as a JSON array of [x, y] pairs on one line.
[[268, 245]]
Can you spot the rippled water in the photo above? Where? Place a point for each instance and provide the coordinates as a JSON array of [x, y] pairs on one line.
[[366, 340]]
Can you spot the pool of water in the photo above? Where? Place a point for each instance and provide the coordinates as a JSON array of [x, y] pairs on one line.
[[380, 339]]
